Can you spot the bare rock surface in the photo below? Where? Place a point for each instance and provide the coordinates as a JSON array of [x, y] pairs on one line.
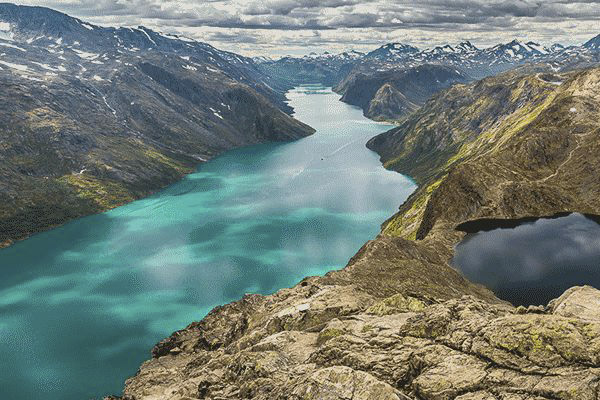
[[319, 341]]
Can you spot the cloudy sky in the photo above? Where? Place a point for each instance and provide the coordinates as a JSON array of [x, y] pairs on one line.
[[279, 27]]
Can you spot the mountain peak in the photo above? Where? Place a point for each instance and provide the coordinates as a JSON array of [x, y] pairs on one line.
[[593, 44], [394, 49], [466, 44]]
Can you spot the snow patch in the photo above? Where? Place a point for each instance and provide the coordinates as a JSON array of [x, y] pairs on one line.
[[5, 32], [87, 26], [108, 105], [31, 78], [85, 55], [48, 67], [12, 46], [15, 66], [148, 36]]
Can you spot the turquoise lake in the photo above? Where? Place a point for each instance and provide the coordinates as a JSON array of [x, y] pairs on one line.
[[82, 305]]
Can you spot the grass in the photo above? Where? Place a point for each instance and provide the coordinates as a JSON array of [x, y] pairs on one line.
[[104, 193]]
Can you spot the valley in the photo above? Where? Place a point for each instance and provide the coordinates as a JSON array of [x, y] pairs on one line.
[[253, 220], [148, 180], [399, 321]]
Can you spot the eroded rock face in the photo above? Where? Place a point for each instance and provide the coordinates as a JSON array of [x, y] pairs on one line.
[[467, 348]]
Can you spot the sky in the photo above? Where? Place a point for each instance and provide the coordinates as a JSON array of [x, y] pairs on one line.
[[281, 27]]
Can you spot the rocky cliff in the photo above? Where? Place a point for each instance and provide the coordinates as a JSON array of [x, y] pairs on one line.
[[398, 322]]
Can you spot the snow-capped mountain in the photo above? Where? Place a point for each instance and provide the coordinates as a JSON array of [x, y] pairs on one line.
[[392, 51], [466, 47], [40, 43], [465, 57], [593, 44], [463, 48], [326, 68], [93, 117], [515, 51]]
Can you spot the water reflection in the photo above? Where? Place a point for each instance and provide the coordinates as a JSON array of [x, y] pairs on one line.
[[535, 261]]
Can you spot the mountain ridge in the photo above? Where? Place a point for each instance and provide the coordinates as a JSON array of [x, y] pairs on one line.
[[92, 121]]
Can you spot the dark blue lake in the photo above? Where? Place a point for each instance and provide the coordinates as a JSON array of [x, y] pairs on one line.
[[532, 262]]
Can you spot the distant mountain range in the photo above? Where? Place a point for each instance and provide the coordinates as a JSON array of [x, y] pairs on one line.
[[378, 81], [475, 62]]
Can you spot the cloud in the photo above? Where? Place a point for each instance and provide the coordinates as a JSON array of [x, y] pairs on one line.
[[282, 26]]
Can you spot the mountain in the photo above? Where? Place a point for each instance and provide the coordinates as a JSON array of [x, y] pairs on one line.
[[325, 68], [516, 50], [521, 133], [397, 51], [593, 44], [399, 322], [431, 137], [475, 62], [353, 68], [94, 117], [389, 95]]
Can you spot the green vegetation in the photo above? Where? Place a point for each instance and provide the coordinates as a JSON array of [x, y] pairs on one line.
[[396, 304], [458, 126], [106, 194]]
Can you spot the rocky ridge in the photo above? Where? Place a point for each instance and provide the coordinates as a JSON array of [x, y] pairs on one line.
[[390, 95], [398, 322]]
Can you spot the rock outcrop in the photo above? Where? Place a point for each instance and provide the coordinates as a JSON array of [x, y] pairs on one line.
[[326, 341]]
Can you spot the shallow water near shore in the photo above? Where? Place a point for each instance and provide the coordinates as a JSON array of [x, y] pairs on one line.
[[82, 305], [532, 261]]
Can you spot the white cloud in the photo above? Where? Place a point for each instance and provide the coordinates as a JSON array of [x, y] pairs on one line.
[[278, 27]]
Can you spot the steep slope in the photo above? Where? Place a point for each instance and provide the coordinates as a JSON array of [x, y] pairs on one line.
[[530, 157], [89, 121], [593, 44], [399, 322], [392, 94], [428, 139], [389, 103]]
